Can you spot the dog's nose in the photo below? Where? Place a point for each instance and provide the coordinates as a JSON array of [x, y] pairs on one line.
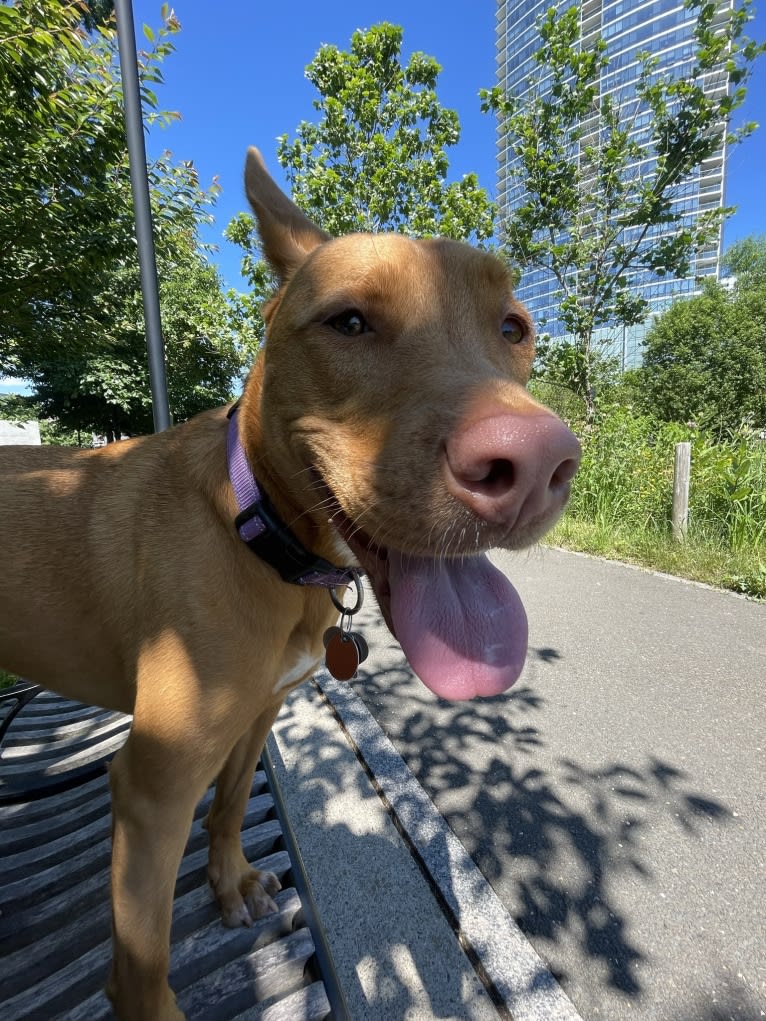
[[512, 469]]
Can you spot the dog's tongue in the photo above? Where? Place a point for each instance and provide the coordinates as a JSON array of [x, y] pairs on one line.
[[460, 623]]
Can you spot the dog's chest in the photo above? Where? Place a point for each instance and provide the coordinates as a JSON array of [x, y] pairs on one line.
[[298, 664]]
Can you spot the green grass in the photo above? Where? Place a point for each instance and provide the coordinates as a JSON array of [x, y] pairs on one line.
[[622, 496], [742, 571]]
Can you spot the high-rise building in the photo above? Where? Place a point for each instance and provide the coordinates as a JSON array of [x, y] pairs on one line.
[[663, 28]]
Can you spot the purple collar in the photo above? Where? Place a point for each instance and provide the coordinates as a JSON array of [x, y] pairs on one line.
[[261, 528]]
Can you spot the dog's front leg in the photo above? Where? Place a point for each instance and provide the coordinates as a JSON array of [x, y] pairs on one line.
[[243, 893], [156, 782]]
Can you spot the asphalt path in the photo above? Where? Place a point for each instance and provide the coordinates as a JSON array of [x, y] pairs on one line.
[[614, 797]]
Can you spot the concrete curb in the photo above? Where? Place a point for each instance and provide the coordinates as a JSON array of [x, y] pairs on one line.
[[395, 953], [502, 956]]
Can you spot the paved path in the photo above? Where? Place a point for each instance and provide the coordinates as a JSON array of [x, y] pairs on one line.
[[613, 798]]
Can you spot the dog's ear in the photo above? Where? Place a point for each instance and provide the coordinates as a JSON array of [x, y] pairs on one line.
[[287, 235]]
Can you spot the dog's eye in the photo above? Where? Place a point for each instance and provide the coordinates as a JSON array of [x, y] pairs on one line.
[[513, 329], [350, 323]]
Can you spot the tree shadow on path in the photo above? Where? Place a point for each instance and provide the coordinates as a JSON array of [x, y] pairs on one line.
[[556, 838]]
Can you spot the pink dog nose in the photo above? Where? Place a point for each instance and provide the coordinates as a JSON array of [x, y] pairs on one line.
[[512, 469]]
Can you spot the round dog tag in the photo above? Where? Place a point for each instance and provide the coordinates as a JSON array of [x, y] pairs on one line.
[[342, 656]]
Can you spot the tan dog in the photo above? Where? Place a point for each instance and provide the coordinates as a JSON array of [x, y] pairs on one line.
[[387, 420]]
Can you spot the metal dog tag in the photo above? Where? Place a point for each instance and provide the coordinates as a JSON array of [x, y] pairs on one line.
[[342, 658], [345, 649]]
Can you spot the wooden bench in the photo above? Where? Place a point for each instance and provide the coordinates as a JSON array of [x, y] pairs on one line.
[[54, 886]]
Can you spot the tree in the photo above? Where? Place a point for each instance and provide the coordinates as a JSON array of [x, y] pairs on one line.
[[70, 310], [97, 12], [64, 218], [105, 388], [746, 260], [376, 157], [705, 360], [377, 160], [600, 190]]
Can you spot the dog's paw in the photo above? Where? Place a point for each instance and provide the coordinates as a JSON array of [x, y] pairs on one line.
[[251, 900]]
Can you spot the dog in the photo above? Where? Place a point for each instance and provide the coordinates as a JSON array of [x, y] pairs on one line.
[[189, 577]]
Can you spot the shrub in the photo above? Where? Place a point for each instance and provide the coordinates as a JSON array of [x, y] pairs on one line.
[[625, 480]]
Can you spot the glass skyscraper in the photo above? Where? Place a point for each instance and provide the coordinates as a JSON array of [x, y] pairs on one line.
[[663, 28]]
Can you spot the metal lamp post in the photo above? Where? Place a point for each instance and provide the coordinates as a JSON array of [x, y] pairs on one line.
[[139, 180]]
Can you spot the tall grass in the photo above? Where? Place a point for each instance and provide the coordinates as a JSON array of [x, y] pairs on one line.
[[622, 496]]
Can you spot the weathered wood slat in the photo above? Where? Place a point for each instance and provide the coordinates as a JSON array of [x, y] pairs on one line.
[[22, 812], [273, 971], [308, 1004]]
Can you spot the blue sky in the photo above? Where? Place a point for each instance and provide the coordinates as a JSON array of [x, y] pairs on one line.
[[237, 78]]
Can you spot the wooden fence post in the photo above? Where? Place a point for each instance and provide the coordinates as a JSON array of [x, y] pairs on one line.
[[681, 472]]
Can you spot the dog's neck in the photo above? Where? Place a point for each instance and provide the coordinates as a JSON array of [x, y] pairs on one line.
[[261, 528]]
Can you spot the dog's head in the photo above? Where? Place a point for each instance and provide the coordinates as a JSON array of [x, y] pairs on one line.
[[394, 400]]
